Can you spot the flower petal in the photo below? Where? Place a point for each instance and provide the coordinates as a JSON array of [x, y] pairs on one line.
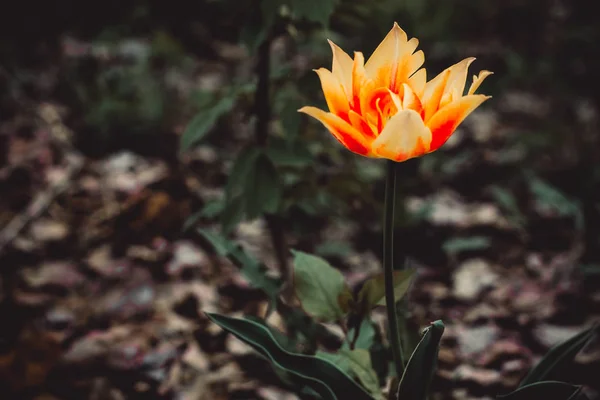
[[390, 47], [477, 79], [404, 136], [342, 67], [345, 133], [457, 78], [410, 100], [417, 82], [445, 121], [361, 124], [358, 79], [334, 93], [434, 90], [391, 62]]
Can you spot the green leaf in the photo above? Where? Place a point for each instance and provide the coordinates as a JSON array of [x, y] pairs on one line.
[[251, 269], [289, 154], [373, 291], [238, 175], [314, 10], [232, 214], [287, 101], [222, 246], [263, 189], [210, 210], [356, 363], [366, 336], [550, 198], [590, 270], [202, 123], [545, 390], [333, 248], [457, 245], [319, 287], [320, 375], [422, 364], [507, 201], [559, 358]]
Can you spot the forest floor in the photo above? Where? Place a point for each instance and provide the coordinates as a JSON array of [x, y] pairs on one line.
[[102, 291]]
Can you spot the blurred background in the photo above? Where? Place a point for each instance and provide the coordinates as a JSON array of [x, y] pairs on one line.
[[122, 126]]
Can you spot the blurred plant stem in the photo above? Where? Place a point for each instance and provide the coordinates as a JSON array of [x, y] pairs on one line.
[[262, 110], [388, 265]]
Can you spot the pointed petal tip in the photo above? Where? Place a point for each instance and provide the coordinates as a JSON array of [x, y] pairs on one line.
[[333, 45]]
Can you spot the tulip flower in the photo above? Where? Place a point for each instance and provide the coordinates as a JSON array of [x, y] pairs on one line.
[[385, 108]]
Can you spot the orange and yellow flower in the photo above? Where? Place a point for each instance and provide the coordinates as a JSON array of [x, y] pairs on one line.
[[385, 108]]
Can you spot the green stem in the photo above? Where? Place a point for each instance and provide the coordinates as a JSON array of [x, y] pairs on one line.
[[388, 265]]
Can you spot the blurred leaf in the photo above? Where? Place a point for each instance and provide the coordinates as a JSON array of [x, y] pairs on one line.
[[589, 270], [287, 101], [320, 202], [222, 246], [263, 189], [559, 358], [320, 375], [548, 197], [232, 214], [255, 272], [453, 165], [369, 170], [165, 45], [259, 22], [202, 123], [507, 201], [314, 10], [270, 10], [457, 245], [319, 287], [238, 176], [210, 210], [366, 336], [373, 291], [408, 330], [422, 364], [356, 363], [546, 390], [333, 248], [289, 154]]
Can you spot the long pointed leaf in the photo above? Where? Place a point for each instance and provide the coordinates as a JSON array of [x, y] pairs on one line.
[[546, 390], [422, 364], [318, 374], [559, 357]]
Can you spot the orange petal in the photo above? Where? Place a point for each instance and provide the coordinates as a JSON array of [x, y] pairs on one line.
[[345, 133], [342, 67], [410, 101], [404, 136], [434, 90], [369, 93], [361, 124], [458, 77], [477, 79], [416, 60], [417, 82], [358, 79], [389, 49], [391, 61], [334, 93], [445, 121]]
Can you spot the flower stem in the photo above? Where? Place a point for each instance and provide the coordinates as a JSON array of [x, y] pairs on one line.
[[388, 265]]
